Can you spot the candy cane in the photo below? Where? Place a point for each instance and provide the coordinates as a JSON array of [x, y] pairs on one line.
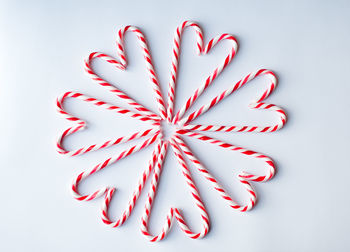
[[98, 103], [235, 87], [109, 143], [104, 164], [173, 212], [148, 60], [81, 124], [110, 87], [246, 128], [108, 196], [185, 149], [244, 175], [175, 60], [213, 76]]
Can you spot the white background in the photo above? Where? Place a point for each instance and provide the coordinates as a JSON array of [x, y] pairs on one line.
[[305, 207]]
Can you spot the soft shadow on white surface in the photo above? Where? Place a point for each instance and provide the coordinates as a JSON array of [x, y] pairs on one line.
[[304, 208]]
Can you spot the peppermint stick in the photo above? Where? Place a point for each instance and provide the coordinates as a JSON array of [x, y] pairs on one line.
[[149, 64], [175, 60]]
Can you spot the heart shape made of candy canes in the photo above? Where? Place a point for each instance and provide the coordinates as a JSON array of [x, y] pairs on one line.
[[201, 50]]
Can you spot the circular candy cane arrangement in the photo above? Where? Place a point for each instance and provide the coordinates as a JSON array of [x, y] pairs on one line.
[[153, 135]]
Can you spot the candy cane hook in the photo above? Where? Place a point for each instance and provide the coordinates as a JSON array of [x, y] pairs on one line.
[[175, 60], [148, 60]]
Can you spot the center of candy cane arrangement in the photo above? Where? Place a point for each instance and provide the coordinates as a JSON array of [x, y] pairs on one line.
[[169, 129]]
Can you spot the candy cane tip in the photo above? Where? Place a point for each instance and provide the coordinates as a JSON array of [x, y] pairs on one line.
[[112, 190], [252, 104]]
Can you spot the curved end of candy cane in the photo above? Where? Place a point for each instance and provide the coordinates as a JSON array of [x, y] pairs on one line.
[[76, 195], [198, 30], [104, 210], [252, 177], [253, 196], [94, 55], [225, 36], [271, 107], [166, 227], [184, 227]]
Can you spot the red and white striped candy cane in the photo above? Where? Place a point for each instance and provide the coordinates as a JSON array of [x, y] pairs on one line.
[[175, 60], [80, 124], [246, 128], [185, 149], [257, 104], [213, 76], [109, 143], [148, 60], [99, 103], [89, 70], [104, 164], [244, 175], [173, 212], [109, 194]]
